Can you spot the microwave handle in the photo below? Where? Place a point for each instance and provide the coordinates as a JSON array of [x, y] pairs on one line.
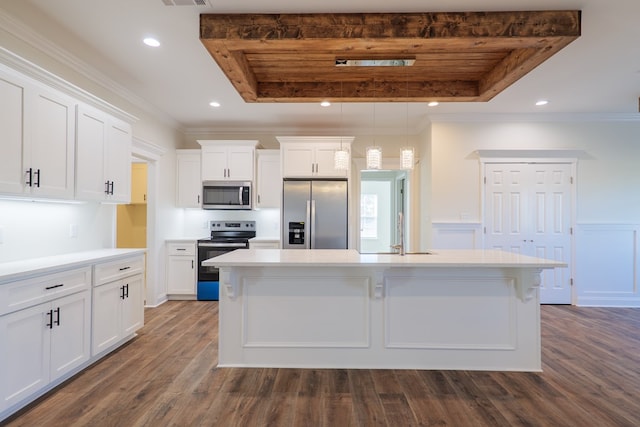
[[240, 195]]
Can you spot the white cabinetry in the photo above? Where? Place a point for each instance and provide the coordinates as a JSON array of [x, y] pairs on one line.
[[181, 269], [103, 157], [269, 179], [227, 160], [118, 302], [44, 331], [311, 157], [188, 179], [37, 130]]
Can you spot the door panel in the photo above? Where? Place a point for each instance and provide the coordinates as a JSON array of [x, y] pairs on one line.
[[330, 219], [528, 211]]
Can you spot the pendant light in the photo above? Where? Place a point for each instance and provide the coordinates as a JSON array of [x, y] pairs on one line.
[[374, 153], [406, 152], [341, 157]]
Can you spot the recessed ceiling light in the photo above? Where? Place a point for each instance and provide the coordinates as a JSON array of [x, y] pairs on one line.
[[325, 104], [150, 41], [214, 104], [433, 104], [542, 102]]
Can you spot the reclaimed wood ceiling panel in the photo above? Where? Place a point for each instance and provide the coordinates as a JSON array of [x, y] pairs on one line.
[[460, 56]]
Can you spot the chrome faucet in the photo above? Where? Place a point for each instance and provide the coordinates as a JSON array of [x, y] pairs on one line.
[[400, 245]]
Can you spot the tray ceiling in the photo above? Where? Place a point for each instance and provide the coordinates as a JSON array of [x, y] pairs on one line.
[[453, 57]]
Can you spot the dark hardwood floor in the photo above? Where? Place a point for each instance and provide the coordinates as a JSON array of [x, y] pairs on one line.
[[168, 377]]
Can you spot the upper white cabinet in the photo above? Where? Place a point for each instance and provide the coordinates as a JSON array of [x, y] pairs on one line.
[[227, 160], [103, 157], [269, 179], [311, 157], [188, 179], [37, 133]]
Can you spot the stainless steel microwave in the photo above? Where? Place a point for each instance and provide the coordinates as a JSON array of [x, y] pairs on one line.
[[226, 195]]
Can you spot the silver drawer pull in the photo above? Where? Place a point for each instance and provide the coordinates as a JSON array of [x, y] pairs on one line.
[[54, 286]]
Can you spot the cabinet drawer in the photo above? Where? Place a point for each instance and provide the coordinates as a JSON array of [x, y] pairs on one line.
[[26, 293], [114, 270], [181, 249]]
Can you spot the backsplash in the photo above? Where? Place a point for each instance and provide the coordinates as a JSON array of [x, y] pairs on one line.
[[196, 221], [34, 229]]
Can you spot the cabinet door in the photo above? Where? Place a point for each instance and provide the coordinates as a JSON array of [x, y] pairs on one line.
[[24, 353], [12, 100], [71, 334], [133, 304], [214, 163], [324, 157], [269, 181], [118, 161], [189, 185], [107, 313], [52, 125], [240, 163], [90, 149], [297, 161], [181, 275]]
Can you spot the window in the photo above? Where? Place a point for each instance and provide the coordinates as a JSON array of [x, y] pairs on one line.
[[369, 216]]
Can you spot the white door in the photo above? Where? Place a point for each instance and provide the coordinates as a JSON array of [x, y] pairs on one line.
[[24, 353], [528, 211], [240, 163], [52, 144], [71, 333], [118, 161]]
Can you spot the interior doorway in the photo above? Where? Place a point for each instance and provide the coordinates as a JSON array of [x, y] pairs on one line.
[[131, 219], [382, 198], [528, 210]]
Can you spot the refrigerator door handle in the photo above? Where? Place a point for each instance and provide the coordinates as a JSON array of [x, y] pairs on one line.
[[313, 224], [306, 226]]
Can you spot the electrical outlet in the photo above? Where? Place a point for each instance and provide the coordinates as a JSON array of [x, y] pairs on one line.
[[73, 230], [1, 235]]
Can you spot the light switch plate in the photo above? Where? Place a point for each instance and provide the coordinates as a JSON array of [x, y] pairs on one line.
[[1, 235], [73, 230]]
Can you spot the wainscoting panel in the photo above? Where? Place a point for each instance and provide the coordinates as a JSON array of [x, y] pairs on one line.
[[607, 265], [457, 235]]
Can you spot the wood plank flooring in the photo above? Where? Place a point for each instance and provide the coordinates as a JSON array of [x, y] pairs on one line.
[[168, 377]]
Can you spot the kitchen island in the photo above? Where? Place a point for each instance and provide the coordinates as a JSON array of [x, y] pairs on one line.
[[452, 309]]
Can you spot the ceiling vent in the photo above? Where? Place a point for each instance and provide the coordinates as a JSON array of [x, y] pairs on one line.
[[186, 2]]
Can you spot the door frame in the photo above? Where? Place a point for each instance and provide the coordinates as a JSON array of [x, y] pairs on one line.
[[534, 157]]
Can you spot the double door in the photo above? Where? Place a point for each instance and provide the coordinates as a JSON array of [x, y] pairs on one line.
[[528, 211]]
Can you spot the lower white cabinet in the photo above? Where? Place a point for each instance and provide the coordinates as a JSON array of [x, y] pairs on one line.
[[181, 269], [118, 303], [43, 342]]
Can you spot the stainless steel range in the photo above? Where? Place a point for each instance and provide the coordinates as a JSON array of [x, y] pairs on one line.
[[226, 236]]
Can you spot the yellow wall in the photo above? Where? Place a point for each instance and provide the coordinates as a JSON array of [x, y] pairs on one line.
[[132, 219]]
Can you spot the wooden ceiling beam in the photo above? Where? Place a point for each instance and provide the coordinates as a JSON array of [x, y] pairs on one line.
[[459, 56], [368, 91]]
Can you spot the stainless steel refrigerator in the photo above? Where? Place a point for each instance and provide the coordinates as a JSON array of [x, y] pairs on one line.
[[314, 214]]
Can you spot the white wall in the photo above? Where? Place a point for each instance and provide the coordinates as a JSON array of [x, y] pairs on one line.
[[607, 201]]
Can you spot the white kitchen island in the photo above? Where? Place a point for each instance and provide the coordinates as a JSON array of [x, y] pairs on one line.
[[471, 310]]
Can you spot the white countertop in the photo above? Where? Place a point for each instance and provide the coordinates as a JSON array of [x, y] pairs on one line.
[[185, 239], [18, 269], [352, 258], [265, 239]]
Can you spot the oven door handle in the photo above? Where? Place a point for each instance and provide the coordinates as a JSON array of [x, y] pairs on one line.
[[222, 245]]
